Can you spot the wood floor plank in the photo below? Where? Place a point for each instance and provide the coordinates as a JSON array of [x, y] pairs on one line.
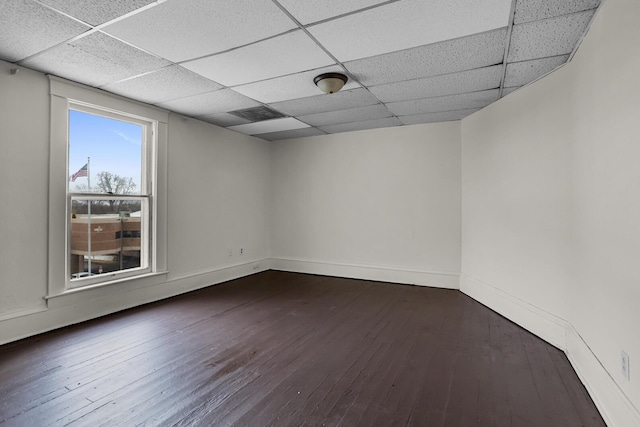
[[288, 349]]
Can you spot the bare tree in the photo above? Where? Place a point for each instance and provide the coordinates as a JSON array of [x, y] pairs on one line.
[[115, 184], [111, 183]]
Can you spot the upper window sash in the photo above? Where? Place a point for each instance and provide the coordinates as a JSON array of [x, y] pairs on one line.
[[148, 146]]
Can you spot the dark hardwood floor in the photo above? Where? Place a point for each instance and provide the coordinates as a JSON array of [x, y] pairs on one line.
[[286, 349]]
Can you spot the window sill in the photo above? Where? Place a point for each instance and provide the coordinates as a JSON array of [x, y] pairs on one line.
[[140, 277]]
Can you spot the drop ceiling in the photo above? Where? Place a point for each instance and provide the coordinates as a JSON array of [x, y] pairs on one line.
[[408, 61]]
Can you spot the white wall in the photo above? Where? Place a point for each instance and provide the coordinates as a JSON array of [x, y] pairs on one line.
[[605, 179], [515, 198], [382, 204], [218, 184], [218, 197], [24, 174], [551, 210]]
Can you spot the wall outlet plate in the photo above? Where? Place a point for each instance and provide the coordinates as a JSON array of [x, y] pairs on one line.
[[624, 362]]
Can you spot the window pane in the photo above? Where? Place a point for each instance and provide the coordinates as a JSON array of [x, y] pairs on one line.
[[105, 155], [107, 236]]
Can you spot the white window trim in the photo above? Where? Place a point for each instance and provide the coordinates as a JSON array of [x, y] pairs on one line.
[[147, 187], [65, 94]]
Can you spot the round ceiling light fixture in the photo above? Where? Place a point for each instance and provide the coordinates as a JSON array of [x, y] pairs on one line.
[[330, 82]]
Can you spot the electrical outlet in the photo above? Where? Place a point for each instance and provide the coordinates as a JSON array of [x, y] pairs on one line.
[[241, 251], [624, 360]]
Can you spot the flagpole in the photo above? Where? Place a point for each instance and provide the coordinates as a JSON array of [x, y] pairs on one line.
[[89, 214]]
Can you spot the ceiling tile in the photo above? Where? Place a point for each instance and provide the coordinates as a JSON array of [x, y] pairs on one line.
[[269, 126], [507, 90], [521, 73], [169, 83], [479, 50], [367, 124], [444, 103], [549, 37], [345, 116], [27, 27], [289, 87], [444, 116], [447, 84], [290, 134], [223, 119], [187, 29], [534, 10], [278, 56], [95, 60], [421, 60], [96, 12], [308, 11], [322, 103], [409, 23], [218, 101]]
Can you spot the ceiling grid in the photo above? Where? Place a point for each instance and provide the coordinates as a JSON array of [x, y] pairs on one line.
[[408, 61]]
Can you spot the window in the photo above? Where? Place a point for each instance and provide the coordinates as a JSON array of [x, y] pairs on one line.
[[109, 194], [107, 191]]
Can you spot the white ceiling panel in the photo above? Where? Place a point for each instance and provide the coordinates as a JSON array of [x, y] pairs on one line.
[[507, 90], [95, 60], [289, 87], [27, 27], [367, 124], [345, 116], [476, 51], [219, 101], [96, 12], [447, 84], [444, 116], [409, 23], [422, 60], [269, 126], [534, 10], [521, 73], [308, 11], [278, 56], [169, 83], [223, 119], [323, 103], [289, 134], [444, 103], [187, 29], [549, 37]]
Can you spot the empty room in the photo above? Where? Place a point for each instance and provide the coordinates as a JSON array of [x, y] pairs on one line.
[[329, 213]]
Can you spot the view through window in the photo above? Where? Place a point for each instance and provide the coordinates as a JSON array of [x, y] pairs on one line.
[[109, 194]]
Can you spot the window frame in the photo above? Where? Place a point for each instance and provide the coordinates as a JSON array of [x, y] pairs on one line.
[[63, 96], [147, 179]]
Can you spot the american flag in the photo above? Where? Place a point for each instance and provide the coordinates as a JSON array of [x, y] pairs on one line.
[[81, 172]]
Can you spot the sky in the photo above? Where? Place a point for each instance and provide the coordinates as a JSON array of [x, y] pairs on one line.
[[113, 146]]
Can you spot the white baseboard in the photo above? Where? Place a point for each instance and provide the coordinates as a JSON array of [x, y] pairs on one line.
[[22, 312], [614, 406], [436, 279], [77, 307], [547, 326]]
